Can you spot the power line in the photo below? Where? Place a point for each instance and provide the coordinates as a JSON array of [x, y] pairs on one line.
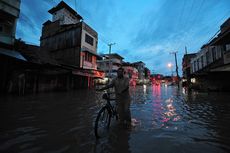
[[186, 26]]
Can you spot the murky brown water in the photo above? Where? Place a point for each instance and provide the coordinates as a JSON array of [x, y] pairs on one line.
[[166, 120]]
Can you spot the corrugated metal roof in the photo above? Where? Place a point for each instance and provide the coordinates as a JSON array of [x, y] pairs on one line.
[[12, 53]]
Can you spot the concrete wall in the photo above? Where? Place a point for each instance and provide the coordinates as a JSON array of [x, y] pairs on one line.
[[65, 17], [9, 10], [89, 31], [11, 7]]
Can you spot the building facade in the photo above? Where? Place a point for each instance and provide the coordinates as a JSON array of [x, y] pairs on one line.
[[110, 63], [186, 68], [210, 68], [72, 43], [131, 72], [68, 39], [140, 66], [9, 10]]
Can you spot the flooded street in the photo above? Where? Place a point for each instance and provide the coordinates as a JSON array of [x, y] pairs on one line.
[[165, 119]]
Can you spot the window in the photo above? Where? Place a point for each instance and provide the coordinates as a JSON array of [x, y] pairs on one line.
[[213, 54], [227, 47], [202, 61], [88, 39], [194, 64], [198, 62], [207, 57], [88, 57]]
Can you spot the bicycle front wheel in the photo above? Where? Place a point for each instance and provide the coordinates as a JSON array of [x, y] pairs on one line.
[[102, 122]]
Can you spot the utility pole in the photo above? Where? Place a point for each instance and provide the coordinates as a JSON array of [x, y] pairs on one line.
[[186, 52], [176, 66], [110, 46], [110, 64]]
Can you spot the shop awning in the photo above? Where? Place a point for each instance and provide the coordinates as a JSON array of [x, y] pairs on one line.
[[89, 73]]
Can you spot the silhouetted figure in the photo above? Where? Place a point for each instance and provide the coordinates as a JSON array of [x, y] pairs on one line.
[[121, 85]]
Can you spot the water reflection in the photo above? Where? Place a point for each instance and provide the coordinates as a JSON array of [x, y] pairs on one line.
[[165, 119], [117, 141], [144, 88]]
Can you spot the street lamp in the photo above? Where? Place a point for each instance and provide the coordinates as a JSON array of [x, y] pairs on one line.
[[170, 67]]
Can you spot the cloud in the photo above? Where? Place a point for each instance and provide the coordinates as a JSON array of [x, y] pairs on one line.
[[31, 19], [143, 31]]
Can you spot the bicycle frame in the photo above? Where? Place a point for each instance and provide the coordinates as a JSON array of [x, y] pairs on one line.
[[112, 108]]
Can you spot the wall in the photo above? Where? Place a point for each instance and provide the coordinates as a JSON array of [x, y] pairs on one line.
[[87, 48], [210, 54], [227, 54], [64, 46], [214, 81], [11, 7], [86, 45], [65, 17], [9, 10]]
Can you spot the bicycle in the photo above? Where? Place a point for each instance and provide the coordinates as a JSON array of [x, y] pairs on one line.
[[104, 116]]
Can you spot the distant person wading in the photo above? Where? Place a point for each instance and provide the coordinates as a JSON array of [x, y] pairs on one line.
[[121, 85]]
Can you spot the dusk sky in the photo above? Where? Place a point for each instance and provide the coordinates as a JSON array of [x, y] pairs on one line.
[[143, 30]]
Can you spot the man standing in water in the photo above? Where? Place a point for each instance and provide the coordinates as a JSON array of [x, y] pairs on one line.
[[121, 85]]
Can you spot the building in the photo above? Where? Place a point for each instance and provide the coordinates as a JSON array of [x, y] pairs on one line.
[[207, 58], [68, 39], [186, 68], [140, 66], [9, 11], [110, 63], [131, 72], [71, 42], [210, 68], [223, 40]]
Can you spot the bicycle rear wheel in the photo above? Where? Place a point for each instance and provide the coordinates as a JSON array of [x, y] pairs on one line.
[[102, 122]]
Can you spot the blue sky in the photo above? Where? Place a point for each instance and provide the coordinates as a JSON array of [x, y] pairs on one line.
[[143, 30]]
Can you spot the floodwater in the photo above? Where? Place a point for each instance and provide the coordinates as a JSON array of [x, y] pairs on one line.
[[165, 119]]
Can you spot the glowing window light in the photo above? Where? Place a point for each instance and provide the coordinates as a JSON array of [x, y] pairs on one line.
[[193, 80]]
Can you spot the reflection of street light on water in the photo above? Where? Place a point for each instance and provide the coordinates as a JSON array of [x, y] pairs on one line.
[[144, 88]]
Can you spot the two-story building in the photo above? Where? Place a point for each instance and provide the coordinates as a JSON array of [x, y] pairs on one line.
[[131, 72], [110, 63], [210, 67]]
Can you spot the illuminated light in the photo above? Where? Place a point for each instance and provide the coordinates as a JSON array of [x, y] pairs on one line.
[[193, 80], [169, 65], [144, 88], [184, 90], [176, 118], [165, 120], [170, 100]]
